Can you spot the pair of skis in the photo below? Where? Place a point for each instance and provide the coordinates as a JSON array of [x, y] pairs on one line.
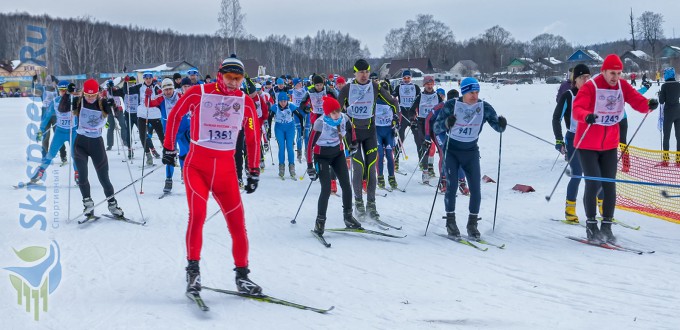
[[323, 241], [468, 241], [610, 246], [198, 300], [93, 218], [618, 222]]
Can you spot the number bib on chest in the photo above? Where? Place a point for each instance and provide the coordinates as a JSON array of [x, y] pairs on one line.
[[90, 123], [609, 106], [361, 101], [407, 95], [427, 103], [283, 116], [298, 95], [132, 102], [220, 120], [469, 119], [64, 120], [383, 115], [330, 136], [317, 102]]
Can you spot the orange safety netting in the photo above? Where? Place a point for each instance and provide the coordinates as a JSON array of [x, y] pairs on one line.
[[650, 166]]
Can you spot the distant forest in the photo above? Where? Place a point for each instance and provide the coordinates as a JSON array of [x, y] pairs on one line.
[[84, 45]]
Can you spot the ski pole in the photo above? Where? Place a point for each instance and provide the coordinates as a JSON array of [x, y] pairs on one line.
[[625, 149], [301, 202], [73, 159], [547, 198], [117, 192], [555, 162], [498, 181], [446, 149], [144, 145], [527, 133]]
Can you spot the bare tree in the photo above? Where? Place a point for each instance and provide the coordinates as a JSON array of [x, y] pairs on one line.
[[631, 24], [231, 21], [496, 39], [650, 29], [422, 37], [547, 45]]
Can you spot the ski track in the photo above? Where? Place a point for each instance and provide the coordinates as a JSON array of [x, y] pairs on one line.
[[118, 275]]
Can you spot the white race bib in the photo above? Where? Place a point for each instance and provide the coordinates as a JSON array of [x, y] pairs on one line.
[[132, 102], [317, 102], [90, 123], [609, 106], [427, 103], [361, 101], [220, 120], [407, 95], [383, 115], [64, 120], [469, 120]]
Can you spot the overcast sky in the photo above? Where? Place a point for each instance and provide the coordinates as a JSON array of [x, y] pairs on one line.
[[580, 22]]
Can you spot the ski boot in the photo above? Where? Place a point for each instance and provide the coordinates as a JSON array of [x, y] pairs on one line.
[[168, 185], [334, 187], [262, 165], [282, 170], [451, 227], [396, 164], [463, 188], [299, 156], [131, 154], [114, 209], [109, 148], [606, 231], [38, 175], [155, 153], [88, 204], [359, 205], [76, 177], [350, 221], [193, 277], [592, 232], [430, 170], [472, 230], [149, 159], [372, 210], [319, 225], [244, 284], [426, 177], [381, 181], [291, 170], [570, 212], [665, 159], [599, 205], [393, 181]]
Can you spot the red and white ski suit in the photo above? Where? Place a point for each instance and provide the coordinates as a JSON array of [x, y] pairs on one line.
[[210, 165]]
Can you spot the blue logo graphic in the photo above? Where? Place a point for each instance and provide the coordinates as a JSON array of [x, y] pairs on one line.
[[36, 282]]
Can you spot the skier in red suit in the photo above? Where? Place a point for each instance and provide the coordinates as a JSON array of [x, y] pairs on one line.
[[218, 111]]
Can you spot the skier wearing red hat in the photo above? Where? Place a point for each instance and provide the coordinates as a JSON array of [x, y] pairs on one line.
[[326, 146], [598, 108], [91, 111], [219, 110]]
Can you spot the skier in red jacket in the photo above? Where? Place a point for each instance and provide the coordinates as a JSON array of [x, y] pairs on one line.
[[598, 108], [218, 111]]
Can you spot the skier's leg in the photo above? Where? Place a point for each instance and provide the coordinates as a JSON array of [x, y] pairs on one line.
[[227, 194], [197, 174]]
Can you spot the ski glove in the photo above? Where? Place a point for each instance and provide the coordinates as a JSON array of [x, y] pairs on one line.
[[653, 104], [591, 118], [451, 121], [71, 88], [169, 157], [253, 180], [502, 123], [427, 144], [127, 78], [559, 146], [109, 83], [311, 172], [148, 92], [39, 136], [414, 125]]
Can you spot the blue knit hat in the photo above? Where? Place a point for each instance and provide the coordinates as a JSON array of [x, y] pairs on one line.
[[669, 73], [283, 96], [296, 81], [406, 73], [279, 81], [468, 85]]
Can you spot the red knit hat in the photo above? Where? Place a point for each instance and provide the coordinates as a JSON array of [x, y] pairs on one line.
[[90, 87], [612, 62], [330, 105], [340, 80]]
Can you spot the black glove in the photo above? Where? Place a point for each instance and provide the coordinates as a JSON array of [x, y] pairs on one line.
[[451, 121], [253, 180], [653, 104], [414, 125], [71, 88], [502, 123], [591, 118], [559, 146], [427, 144], [353, 148], [110, 83], [169, 157], [647, 84], [311, 172]]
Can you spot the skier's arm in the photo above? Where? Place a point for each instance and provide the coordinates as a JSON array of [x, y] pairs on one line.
[[414, 108], [558, 113], [313, 138], [492, 118], [154, 102], [304, 104], [634, 98], [662, 94], [251, 132], [385, 95], [446, 111], [187, 102], [343, 98]]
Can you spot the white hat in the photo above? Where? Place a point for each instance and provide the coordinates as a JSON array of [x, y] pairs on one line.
[[167, 83]]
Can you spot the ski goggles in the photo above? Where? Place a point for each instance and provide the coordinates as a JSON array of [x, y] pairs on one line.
[[232, 76], [192, 72]]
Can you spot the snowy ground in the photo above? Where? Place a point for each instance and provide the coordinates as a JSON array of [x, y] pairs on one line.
[[117, 275]]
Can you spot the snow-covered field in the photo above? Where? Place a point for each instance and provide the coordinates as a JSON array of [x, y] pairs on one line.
[[122, 276]]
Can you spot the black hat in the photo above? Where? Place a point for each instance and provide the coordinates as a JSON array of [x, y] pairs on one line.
[[361, 65], [316, 79], [176, 75], [452, 94], [579, 70], [373, 75]]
